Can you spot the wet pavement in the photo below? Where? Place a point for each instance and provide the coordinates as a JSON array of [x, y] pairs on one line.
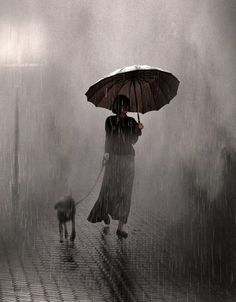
[[98, 266]]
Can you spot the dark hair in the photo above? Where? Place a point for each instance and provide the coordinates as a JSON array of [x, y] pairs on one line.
[[120, 101]]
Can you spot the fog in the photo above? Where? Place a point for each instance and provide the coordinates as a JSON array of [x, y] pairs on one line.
[[62, 135]]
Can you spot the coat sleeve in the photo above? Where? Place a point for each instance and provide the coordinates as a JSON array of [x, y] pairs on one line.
[[108, 127], [136, 132]]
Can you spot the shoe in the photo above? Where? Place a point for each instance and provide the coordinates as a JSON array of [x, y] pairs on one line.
[[121, 234], [106, 230], [107, 220]]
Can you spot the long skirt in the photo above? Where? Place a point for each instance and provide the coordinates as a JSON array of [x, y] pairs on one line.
[[115, 194]]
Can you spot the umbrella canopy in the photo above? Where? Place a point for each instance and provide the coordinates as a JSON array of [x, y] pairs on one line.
[[148, 88]]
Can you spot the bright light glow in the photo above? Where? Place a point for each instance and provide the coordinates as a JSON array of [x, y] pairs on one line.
[[22, 45]]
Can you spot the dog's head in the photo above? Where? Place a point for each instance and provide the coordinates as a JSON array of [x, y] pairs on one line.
[[59, 205], [64, 203]]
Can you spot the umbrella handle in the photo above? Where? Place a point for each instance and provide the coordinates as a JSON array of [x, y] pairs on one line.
[[138, 117], [136, 101]]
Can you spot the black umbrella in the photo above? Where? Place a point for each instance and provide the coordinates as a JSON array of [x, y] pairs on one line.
[[148, 88]]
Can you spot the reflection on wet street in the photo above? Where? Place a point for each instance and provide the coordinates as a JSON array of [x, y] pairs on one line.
[[151, 265]]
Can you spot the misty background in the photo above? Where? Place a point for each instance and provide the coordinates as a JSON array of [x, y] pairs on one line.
[[75, 43]]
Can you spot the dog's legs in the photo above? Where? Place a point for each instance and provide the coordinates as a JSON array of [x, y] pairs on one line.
[[66, 232], [61, 231], [72, 236]]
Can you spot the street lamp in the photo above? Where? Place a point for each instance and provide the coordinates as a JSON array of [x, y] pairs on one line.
[[20, 47]]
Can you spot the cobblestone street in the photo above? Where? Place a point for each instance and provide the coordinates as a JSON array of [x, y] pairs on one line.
[[98, 266]]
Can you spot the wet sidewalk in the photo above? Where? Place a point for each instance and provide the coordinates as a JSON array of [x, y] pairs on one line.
[[98, 266]]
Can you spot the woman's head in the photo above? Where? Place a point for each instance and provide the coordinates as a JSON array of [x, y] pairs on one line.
[[121, 104]]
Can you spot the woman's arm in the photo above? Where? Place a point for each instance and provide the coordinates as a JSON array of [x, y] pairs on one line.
[[108, 125], [136, 131]]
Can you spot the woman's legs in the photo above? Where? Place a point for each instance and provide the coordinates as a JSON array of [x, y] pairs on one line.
[[120, 225], [106, 219], [120, 232]]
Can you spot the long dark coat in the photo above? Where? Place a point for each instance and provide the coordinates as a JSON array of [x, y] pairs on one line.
[[115, 195]]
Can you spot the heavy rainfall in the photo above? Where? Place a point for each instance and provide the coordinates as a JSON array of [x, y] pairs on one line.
[[181, 243]]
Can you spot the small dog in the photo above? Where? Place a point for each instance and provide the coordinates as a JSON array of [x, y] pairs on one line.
[[66, 209]]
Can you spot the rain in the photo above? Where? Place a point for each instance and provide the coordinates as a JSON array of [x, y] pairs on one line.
[[181, 243]]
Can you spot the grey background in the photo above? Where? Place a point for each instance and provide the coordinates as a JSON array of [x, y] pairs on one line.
[[62, 136]]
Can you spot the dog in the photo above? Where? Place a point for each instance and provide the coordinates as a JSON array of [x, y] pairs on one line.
[[66, 209]]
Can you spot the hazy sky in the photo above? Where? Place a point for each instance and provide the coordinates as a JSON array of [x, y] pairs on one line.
[[78, 42]]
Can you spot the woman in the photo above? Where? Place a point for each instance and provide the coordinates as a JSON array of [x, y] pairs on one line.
[[115, 195]]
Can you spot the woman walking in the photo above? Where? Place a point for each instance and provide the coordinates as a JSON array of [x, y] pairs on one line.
[[115, 195]]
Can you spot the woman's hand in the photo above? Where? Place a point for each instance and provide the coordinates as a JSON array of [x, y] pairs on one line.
[[105, 158], [140, 126]]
